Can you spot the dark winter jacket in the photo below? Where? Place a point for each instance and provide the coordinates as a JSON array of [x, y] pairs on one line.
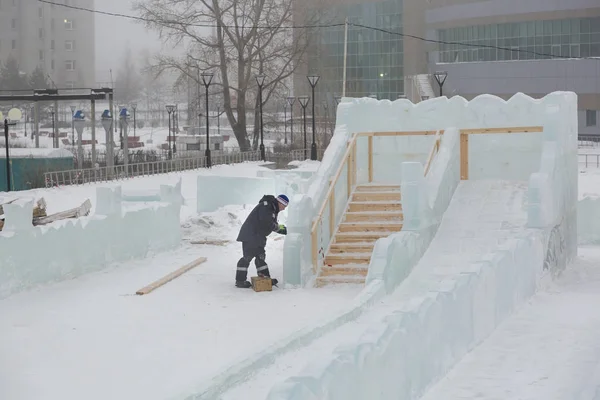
[[261, 222]]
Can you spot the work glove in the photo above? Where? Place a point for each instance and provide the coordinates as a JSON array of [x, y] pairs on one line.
[[282, 229]]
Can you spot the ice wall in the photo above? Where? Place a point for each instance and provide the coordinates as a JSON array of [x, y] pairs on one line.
[[218, 191], [451, 310], [118, 231], [588, 221], [509, 156], [425, 200]]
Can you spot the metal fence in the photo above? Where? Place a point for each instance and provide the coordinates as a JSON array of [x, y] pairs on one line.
[[120, 172], [589, 160]]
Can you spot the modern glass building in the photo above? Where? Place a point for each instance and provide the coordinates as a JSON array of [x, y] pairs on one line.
[[374, 60], [528, 40], [545, 46]]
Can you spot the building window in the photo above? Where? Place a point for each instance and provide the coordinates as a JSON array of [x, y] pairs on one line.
[[52, 24], [41, 33], [14, 44], [70, 84], [69, 24], [52, 64], [70, 45], [70, 65], [576, 37], [41, 55], [13, 24], [590, 118], [52, 44]]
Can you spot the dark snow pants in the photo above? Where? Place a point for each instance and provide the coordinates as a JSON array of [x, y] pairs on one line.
[[249, 252]]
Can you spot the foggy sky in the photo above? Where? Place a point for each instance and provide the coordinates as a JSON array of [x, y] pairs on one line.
[[113, 35]]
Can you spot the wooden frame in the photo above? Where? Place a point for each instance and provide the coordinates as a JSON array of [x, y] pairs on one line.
[[349, 160], [464, 142]]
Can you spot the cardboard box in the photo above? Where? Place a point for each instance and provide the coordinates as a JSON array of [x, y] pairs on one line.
[[260, 284]]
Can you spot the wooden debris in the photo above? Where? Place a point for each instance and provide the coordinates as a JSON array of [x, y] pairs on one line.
[[261, 284], [211, 242], [170, 277], [78, 212]]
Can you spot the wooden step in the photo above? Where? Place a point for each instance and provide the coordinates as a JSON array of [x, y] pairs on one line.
[[370, 226], [372, 216], [374, 187], [376, 196], [347, 258], [340, 279], [359, 237], [346, 270], [356, 206], [351, 248]]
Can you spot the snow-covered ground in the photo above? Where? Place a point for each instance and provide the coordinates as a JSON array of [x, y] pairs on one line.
[[549, 349], [93, 338]]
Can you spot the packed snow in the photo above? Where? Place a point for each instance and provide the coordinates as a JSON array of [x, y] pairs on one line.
[[549, 349], [93, 338]]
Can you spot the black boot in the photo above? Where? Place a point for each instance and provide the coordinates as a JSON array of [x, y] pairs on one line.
[[274, 281], [243, 284]]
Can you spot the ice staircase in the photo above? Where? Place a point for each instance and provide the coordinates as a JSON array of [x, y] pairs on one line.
[[373, 212], [425, 88]]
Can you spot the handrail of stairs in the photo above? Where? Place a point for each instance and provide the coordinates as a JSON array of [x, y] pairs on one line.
[[434, 151], [348, 160]]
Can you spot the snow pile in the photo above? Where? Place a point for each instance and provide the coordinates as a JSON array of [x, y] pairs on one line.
[[117, 232]]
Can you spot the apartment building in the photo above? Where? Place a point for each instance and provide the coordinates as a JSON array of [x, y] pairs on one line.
[[59, 39]]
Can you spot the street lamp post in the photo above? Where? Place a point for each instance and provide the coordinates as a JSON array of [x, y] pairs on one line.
[[440, 77], [134, 107], [72, 125], [8, 173], [313, 79], [207, 79], [260, 80], [170, 109], [326, 109], [291, 100], [54, 136], [304, 102]]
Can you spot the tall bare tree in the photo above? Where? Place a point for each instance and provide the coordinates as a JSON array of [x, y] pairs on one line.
[[235, 39]]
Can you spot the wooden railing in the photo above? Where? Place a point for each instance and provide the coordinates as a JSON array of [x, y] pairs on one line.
[[349, 162], [464, 142]]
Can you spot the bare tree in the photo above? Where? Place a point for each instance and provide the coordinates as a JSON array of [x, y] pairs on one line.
[[247, 37]]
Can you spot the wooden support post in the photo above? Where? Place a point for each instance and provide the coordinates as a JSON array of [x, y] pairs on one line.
[[464, 156], [315, 252], [332, 214], [170, 277], [370, 139]]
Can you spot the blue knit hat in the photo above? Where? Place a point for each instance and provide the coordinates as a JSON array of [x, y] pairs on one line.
[[283, 199]]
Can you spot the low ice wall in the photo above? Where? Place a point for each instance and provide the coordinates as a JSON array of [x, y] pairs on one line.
[[118, 231], [588, 221], [418, 343], [217, 191]]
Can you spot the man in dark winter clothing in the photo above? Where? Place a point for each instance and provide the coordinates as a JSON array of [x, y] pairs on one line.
[[253, 235]]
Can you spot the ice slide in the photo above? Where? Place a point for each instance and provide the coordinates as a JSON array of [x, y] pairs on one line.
[[510, 222]]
